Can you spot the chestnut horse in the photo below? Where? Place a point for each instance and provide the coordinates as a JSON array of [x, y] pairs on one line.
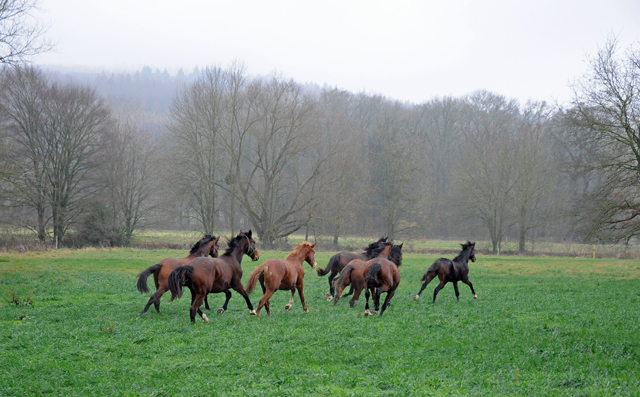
[[288, 274], [454, 271], [382, 276], [342, 259], [208, 245], [215, 275], [353, 274]]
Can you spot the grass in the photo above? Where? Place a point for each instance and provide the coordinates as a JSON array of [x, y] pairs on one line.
[[69, 325]]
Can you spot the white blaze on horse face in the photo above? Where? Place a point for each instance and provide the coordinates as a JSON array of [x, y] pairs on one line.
[[314, 265]]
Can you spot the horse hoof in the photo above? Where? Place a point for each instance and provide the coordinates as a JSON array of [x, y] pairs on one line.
[[475, 296], [306, 310], [415, 298], [367, 313], [287, 308], [205, 318], [253, 313], [329, 298], [220, 311]]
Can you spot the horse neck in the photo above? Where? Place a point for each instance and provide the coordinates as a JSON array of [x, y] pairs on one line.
[[297, 257], [237, 253], [462, 259], [385, 252]]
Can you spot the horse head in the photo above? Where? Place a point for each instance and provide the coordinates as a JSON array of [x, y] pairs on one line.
[[310, 256], [214, 247], [251, 249]]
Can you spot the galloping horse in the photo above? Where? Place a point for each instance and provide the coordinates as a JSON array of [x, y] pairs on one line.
[[383, 276], [215, 275], [454, 271], [288, 274], [208, 245], [342, 259], [353, 274]]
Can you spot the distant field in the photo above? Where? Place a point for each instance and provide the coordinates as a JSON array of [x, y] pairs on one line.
[[69, 325]]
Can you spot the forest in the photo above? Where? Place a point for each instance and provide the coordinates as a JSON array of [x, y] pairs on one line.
[[92, 159]]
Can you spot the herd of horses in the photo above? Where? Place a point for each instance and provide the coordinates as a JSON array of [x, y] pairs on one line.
[[375, 271]]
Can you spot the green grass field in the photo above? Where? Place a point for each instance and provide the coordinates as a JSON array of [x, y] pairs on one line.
[[69, 325]]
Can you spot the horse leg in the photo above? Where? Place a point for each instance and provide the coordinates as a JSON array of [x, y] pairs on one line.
[[301, 293], [455, 287], [430, 277], [376, 299], [438, 288], [195, 308], [290, 304], [387, 300], [465, 279], [332, 275], [155, 300], [356, 295], [237, 286], [227, 295], [206, 302], [366, 305], [263, 302], [351, 290]]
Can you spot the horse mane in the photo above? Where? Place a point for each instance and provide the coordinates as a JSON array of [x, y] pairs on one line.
[[206, 239], [233, 243], [465, 247], [374, 249], [395, 255], [297, 249]]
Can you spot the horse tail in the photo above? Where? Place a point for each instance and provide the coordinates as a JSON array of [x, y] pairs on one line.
[[179, 276], [142, 277], [344, 278], [372, 274], [323, 272], [433, 269], [253, 279]]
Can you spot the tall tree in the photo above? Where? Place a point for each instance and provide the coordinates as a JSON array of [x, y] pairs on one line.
[[21, 36], [606, 108]]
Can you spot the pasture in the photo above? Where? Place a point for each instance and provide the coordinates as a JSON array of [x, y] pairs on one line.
[[70, 325]]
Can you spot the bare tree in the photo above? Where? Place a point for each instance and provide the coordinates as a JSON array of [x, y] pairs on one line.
[[196, 121], [487, 176], [22, 108], [283, 161], [606, 108], [21, 36], [130, 173]]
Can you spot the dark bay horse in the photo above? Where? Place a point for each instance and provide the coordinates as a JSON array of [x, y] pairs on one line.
[[454, 271], [383, 276], [353, 274], [287, 275], [208, 245], [340, 260], [215, 275]]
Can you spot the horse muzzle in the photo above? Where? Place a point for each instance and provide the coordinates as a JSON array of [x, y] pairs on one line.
[[255, 256]]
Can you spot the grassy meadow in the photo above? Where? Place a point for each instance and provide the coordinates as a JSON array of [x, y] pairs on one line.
[[70, 325]]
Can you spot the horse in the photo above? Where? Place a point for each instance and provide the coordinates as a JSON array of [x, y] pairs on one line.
[[208, 245], [215, 275], [454, 271], [288, 274], [340, 260], [353, 274], [383, 276]]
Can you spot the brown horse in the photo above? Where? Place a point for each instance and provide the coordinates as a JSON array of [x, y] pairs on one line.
[[288, 274], [353, 274], [382, 276], [454, 271], [342, 259], [215, 275], [208, 245]]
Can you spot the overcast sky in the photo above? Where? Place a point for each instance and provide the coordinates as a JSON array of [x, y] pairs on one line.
[[407, 50]]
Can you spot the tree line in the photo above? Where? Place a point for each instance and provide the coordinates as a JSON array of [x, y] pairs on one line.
[[267, 153]]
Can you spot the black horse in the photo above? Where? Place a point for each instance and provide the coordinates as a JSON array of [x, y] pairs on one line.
[[454, 271], [340, 260]]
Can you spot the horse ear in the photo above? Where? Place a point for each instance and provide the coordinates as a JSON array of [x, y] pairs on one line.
[[313, 245], [401, 245], [248, 234]]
